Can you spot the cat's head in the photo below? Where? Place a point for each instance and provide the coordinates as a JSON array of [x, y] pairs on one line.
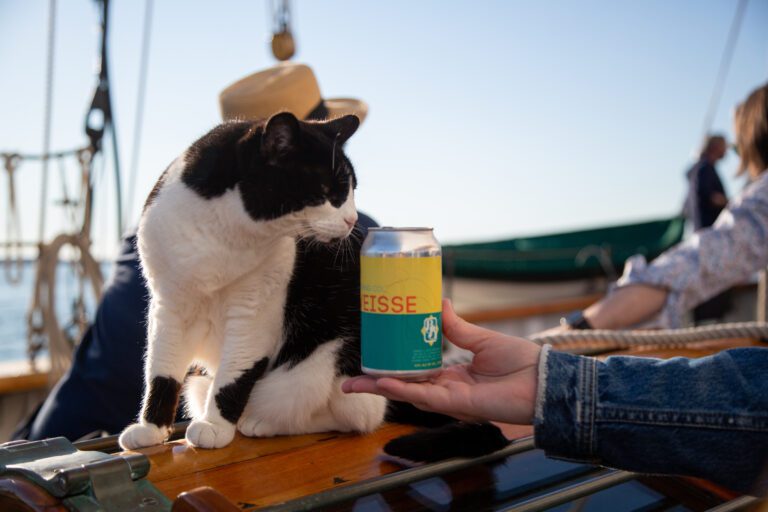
[[304, 175]]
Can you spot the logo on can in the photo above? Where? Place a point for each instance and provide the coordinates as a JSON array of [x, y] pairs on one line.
[[401, 303]]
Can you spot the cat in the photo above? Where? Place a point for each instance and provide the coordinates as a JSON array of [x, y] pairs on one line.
[[250, 248]]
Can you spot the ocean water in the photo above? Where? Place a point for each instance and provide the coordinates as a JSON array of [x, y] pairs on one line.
[[15, 300]]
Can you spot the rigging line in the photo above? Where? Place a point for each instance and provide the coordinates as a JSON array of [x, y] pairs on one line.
[[139, 120], [69, 205], [48, 115], [13, 264], [111, 118], [41, 156], [725, 64]]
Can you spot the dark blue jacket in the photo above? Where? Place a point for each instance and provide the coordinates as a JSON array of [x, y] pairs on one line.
[[703, 182]]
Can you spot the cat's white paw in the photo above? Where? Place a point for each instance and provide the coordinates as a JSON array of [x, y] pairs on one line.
[[359, 412], [255, 427], [206, 434], [140, 435]]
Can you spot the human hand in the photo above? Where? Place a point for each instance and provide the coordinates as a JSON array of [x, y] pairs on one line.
[[498, 385]]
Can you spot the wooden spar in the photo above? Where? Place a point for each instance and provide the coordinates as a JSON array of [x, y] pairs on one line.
[[23, 382], [527, 311]]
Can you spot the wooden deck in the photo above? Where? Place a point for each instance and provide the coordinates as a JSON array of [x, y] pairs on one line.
[[259, 472]]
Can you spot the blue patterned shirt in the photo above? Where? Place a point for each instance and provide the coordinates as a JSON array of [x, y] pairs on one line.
[[712, 260]]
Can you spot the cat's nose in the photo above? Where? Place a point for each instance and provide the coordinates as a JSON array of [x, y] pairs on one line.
[[350, 221]]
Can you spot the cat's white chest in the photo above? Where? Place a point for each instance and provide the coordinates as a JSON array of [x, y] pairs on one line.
[[227, 267], [205, 246]]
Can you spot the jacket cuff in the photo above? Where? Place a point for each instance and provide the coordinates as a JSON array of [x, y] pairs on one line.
[[564, 421]]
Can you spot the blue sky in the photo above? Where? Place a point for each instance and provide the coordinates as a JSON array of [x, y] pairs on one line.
[[487, 119]]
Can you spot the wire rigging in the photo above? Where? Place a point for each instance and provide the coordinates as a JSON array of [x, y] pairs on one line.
[[725, 64], [47, 115], [43, 327], [140, 97]]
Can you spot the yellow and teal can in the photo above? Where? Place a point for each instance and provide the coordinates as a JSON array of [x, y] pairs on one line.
[[401, 303]]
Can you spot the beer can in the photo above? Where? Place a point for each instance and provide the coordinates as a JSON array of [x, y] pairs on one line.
[[401, 303]]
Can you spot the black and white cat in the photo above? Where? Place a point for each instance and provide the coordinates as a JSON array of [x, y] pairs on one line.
[[245, 246], [253, 275]]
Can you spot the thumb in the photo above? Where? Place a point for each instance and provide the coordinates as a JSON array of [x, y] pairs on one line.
[[460, 332]]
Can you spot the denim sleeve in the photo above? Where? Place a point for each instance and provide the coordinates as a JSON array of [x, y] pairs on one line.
[[705, 417]]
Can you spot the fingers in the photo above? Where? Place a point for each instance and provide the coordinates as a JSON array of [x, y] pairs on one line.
[[384, 386], [394, 389], [362, 384], [424, 395], [461, 332], [427, 396]]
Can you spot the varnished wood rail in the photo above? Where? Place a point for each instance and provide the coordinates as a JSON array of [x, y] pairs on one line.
[[527, 311], [258, 472]]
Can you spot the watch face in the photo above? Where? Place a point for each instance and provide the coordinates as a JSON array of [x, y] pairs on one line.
[[576, 320]]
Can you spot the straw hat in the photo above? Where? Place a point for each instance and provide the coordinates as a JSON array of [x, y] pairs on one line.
[[286, 87]]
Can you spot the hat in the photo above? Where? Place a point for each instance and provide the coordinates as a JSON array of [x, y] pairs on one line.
[[286, 87]]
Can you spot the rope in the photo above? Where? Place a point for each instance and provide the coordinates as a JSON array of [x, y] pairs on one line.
[[665, 337], [42, 156], [137, 125], [13, 264], [725, 64], [69, 205], [42, 321], [48, 114], [281, 15]]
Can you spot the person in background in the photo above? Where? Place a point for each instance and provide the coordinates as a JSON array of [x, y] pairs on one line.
[[713, 259], [704, 417], [706, 199], [102, 391], [706, 194]]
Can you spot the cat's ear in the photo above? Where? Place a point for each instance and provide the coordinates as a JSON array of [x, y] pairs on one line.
[[343, 127], [281, 135]]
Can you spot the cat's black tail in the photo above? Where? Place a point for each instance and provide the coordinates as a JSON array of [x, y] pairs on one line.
[[409, 414], [445, 438]]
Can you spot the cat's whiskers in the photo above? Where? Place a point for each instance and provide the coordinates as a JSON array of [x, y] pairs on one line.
[[339, 250], [356, 235]]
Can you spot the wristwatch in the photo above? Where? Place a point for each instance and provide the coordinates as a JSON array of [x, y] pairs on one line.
[[575, 320]]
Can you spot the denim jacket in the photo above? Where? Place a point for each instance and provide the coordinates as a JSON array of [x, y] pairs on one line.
[[705, 417]]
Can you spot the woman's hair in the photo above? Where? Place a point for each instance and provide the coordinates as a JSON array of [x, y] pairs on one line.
[[751, 124]]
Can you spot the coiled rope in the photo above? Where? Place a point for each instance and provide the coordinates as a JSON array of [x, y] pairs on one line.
[[43, 327], [669, 338]]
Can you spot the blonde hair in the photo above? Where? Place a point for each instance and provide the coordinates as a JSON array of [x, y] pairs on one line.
[[751, 125]]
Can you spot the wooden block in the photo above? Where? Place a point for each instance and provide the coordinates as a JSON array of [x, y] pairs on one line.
[[20, 495], [203, 499]]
